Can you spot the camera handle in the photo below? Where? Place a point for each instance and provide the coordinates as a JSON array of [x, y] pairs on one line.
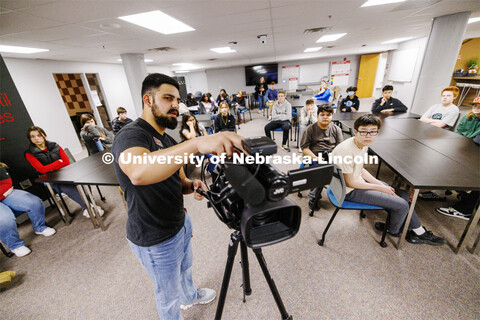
[[236, 238]]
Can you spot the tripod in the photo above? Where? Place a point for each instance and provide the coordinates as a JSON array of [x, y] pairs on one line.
[[236, 238]]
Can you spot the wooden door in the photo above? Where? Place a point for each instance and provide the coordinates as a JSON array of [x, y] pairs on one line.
[[366, 75]]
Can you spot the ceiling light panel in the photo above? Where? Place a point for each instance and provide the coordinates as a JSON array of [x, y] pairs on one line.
[[371, 3], [25, 50], [158, 22], [331, 37]]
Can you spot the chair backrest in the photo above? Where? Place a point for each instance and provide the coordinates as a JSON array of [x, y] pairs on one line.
[[69, 155], [454, 127], [338, 186]]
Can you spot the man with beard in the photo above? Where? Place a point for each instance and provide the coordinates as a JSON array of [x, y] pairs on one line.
[[158, 228]]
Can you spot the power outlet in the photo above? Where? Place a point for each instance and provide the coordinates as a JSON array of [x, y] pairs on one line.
[[25, 184]]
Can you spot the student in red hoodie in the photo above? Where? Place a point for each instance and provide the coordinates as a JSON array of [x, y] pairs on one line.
[[18, 200], [46, 156]]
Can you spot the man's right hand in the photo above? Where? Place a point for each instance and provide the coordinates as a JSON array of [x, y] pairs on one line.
[[383, 101], [219, 143], [387, 190]]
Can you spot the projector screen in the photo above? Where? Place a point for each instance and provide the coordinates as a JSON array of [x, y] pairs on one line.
[[268, 71]]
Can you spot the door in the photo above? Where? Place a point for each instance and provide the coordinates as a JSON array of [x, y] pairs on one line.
[[366, 75]]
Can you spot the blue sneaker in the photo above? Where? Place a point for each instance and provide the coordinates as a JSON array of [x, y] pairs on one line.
[[204, 296]]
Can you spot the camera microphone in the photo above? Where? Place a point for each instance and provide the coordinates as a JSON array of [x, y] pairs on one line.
[[245, 184]]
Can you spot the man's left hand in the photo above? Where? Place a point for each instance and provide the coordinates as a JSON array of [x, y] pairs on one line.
[[198, 184]]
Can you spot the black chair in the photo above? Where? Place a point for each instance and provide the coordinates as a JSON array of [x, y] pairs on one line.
[[8, 254], [336, 194]]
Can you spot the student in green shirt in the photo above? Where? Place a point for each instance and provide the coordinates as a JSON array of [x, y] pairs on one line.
[[469, 125]]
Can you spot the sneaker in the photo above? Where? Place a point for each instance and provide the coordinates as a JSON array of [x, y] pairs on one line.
[[431, 196], [99, 209], [21, 251], [380, 226], [286, 148], [204, 296], [270, 118], [454, 213], [47, 232], [426, 238], [300, 150]]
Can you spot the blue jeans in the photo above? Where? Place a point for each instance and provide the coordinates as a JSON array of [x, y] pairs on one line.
[[19, 201], [398, 206], [261, 102], [169, 265], [71, 191]]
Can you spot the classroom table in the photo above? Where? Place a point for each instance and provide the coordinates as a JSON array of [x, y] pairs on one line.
[[425, 168], [88, 171], [340, 116], [386, 132], [416, 129]]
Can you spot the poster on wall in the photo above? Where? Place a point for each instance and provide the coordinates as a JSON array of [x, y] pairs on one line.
[[14, 122], [290, 72], [339, 80], [292, 84], [340, 67]]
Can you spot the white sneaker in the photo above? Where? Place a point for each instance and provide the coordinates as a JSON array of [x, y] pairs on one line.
[[21, 251], [47, 232], [99, 209], [204, 296], [286, 148], [300, 150]]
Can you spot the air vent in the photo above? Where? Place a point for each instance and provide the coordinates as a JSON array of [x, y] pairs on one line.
[[213, 59], [315, 30], [329, 47], [161, 49]]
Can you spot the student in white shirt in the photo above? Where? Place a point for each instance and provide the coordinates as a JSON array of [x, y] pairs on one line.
[[443, 115]]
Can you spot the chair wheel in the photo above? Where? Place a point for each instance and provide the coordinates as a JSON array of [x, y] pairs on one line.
[[320, 242], [362, 215], [311, 213], [383, 244], [299, 194]]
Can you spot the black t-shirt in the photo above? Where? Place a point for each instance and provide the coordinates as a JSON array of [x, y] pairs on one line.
[[155, 212]]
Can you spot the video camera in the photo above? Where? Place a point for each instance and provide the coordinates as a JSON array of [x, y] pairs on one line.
[[251, 198]]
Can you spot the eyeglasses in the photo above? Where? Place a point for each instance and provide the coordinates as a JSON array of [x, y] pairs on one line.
[[366, 133]]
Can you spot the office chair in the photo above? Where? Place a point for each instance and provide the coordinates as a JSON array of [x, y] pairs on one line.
[[6, 252], [336, 194]]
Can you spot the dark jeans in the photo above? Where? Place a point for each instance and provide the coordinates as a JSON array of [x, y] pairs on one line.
[[285, 125], [398, 206]]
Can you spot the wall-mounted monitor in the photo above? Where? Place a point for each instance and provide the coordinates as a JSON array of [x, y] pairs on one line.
[[268, 71]]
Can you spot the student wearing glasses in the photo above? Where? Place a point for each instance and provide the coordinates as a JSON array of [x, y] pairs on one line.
[[362, 187]]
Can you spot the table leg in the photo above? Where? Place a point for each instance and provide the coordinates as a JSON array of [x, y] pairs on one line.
[[87, 204], [97, 214], [407, 220], [472, 223], [58, 203], [476, 247]]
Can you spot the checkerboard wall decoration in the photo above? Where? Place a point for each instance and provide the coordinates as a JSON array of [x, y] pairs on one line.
[[73, 93]]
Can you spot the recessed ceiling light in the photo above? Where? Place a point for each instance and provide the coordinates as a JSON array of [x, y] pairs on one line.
[[314, 49], [182, 71], [26, 50], [146, 60], [370, 3], [223, 50], [183, 64], [397, 40], [331, 37], [158, 21], [472, 20]]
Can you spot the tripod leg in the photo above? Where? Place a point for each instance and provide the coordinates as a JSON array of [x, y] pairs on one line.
[[247, 290], [271, 284], [232, 251]]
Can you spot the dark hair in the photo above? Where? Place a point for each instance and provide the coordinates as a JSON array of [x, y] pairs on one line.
[[309, 101], [121, 110], [35, 128], [326, 108], [387, 87], [190, 97], [155, 80], [185, 118], [351, 89], [205, 95], [367, 120], [273, 82], [86, 117]]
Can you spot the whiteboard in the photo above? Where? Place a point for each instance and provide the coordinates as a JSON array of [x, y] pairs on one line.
[[403, 65], [313, 73]]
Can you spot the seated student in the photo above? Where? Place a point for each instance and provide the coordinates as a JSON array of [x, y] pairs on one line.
[[205, 106], [19, 200], [319, 139], [362, 187], [271, 96], [224, 121], [281, 115], [223, 96], [190, 101], [443, 115], [94, 135], [191, 128], [469, 125], [324, 95], [121, 121], [238, 103], [308, 116], [351, 102], [46, 156], [387, 104], [182, 108]]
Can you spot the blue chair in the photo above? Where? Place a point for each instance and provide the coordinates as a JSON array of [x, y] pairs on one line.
[[280, 129], [336, 194], [242, 112]]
